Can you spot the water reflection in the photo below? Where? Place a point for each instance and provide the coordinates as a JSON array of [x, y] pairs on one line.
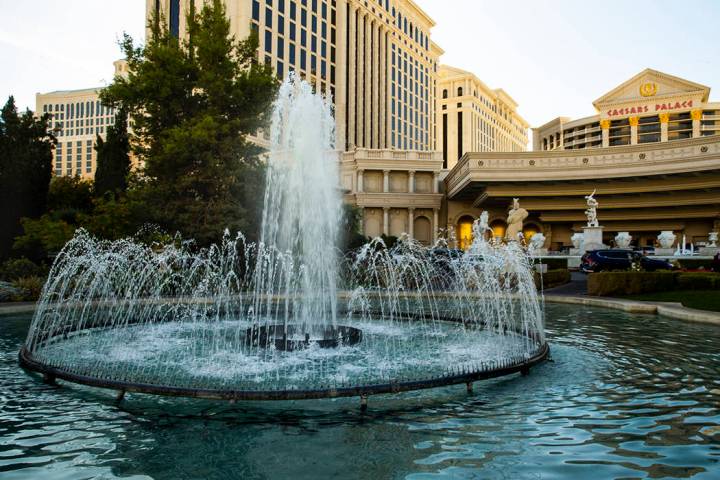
[[626, 396]]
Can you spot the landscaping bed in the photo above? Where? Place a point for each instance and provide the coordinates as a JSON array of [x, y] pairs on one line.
[[624, 284]]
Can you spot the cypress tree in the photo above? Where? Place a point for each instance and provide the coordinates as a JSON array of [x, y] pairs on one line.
[[113, 158], [193, 102]]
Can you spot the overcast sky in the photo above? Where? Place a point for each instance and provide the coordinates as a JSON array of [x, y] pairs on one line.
[[553, 57]]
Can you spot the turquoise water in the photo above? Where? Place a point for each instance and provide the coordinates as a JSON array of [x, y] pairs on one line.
[[627, 396]]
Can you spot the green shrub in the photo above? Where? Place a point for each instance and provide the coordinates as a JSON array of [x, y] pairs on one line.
[[553, 263], [19, 268], [552, 278], [630, 283], [30, 288], [698, 281]]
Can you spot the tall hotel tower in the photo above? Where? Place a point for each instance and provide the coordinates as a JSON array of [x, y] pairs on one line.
[[374, 57]]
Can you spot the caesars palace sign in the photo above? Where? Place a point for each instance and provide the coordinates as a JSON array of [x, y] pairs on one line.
[[649, 107], [649, 90]]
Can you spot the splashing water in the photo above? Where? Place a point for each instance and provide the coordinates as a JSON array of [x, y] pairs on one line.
[[170, 315]]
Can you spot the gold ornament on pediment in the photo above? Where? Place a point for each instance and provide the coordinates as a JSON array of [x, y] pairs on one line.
[[648, 89]]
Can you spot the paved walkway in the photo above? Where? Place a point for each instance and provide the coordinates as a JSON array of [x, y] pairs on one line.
[[577, 286]]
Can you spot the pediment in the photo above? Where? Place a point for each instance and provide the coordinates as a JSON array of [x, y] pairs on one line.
[[652, 84]]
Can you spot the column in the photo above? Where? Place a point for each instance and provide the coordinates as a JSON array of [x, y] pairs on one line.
[[605, 126], [361, 210], [369, 73], [375, 117], [360, 81], [360, 181], [696, 116], [386, 181], [388, 93], [386, 220], [633, 130], [664, 117], [411, 222], [435, 225], [382, 135], [436, 181], [411, 181], [352, 72], [340, 77]]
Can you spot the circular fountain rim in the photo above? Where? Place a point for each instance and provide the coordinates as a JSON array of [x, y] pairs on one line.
[[455, 377]]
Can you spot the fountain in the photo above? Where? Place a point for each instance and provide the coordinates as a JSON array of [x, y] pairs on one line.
[[288, 317]]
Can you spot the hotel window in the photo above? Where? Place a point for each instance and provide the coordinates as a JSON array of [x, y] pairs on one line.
[[445, 93], [281, 25], [281, 6], [293, 10], [175, 17], [268, 41], [291, 49], [268, 17], [292, 30]]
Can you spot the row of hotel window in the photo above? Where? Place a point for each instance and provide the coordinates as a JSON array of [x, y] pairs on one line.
[[69, 157], [79, 109], [402, 23], [648, 131]]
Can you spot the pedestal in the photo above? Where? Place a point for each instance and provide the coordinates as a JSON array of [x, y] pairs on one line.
[[708, 251], [540, 252], [592, 239], [576, 251], [665, 252]]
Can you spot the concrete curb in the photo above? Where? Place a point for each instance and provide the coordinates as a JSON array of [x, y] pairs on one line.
[[14, 308], [666, 309]]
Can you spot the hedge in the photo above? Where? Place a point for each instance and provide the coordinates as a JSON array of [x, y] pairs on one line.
[[552, 278], [693, 263], [631, 283]]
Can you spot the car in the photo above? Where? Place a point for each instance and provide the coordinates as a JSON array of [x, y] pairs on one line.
[[716, 263], [618, 259]]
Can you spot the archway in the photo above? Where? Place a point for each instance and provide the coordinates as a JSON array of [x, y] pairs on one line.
[[530, 229], [498, 227], [463, 232], [422, 230]]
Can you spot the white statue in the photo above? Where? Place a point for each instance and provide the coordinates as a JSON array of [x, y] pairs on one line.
[[591, 211], [577, 240], [713, 238], [537, 242], [666, 239], [480, 226], [515, 221], [623, 239]]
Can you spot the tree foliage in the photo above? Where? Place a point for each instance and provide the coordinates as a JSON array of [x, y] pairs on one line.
[[193, 103], [25, 168], [113, 157]]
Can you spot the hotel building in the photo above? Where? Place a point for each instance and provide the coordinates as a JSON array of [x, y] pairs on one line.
[[77, 118], [650, 107], [471, 117], [374, 57], [652, 154]]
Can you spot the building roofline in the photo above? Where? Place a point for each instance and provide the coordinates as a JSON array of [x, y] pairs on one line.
[[422, 13]]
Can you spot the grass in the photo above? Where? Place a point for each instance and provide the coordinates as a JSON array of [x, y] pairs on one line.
[[700, 299]]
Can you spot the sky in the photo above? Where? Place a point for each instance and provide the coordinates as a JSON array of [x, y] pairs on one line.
[[553, 57]]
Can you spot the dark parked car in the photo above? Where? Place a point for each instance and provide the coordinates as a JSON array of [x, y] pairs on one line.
[[604, 260], [716, 263]]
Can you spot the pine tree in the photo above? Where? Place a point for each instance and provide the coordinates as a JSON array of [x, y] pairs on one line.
[[193, 102], [113, 158], [26, 147]]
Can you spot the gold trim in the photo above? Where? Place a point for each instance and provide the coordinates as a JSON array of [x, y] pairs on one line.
[[664, 117], [604, 124], [696, 114], [648, 89], [634, 121]]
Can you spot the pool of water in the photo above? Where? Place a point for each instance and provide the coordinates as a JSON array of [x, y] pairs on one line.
[[626, 396]]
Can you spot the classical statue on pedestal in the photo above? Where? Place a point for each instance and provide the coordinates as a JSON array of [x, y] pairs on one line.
[[515, 221], [591, 212]]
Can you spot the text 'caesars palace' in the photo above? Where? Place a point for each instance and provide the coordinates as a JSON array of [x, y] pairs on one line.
[[428, 147]]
